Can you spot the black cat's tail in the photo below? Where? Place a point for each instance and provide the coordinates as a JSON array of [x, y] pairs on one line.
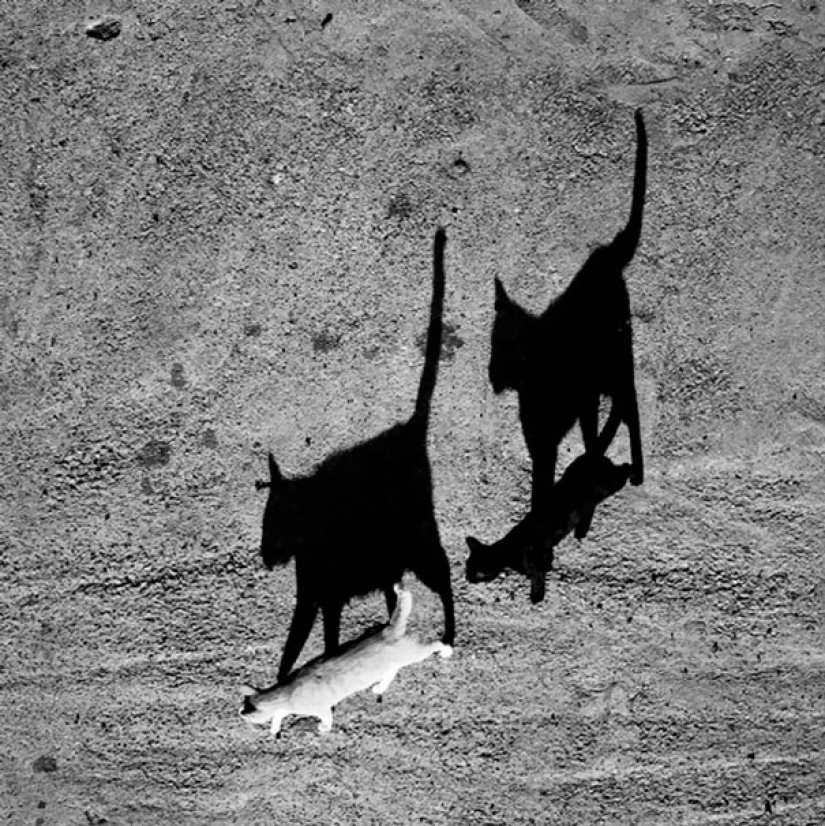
[[426, 385], [627, 240]]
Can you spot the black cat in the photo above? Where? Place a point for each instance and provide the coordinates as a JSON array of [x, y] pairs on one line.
[[364, 516], [578, 349], [528, 547]]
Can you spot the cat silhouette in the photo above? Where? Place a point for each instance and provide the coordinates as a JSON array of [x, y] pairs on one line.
[[364, 516], [371, 661], [529, 547], [580, 348]]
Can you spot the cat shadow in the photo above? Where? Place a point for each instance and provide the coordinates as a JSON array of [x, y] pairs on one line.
[[561, 362], [364, 516], [529, 547]]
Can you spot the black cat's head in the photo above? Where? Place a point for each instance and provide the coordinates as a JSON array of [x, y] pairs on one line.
[[484, 563], [597, 476], [507, 349], [277, 540]]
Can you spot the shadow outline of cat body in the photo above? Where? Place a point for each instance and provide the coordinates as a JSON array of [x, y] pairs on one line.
[[528, 548], [580, 348], [364, 516]]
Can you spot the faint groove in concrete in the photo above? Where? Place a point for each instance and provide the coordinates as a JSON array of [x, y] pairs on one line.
[[225, 564], [677, 767]]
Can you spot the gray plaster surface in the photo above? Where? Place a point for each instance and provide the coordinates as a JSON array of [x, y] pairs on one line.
[[215, 234]]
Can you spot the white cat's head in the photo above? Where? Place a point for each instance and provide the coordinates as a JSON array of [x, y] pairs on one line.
[[259, 706]]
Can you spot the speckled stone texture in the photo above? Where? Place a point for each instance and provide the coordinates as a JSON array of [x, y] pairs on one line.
[[215, 233]]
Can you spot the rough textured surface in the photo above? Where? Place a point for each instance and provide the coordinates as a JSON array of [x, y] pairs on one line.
[[214, 240]]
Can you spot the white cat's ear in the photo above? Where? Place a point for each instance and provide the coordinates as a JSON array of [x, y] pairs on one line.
[[248, 691]]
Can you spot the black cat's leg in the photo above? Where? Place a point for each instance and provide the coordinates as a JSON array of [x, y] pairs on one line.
[[598, 443], [637, 473], [583, 525], [589, 423], [544, 476], [433, 569], [536, 571], [446, 594], [332, 627], [543, 428], [302, 620], [605, 438], [610, 429], [538, 587], [630, 410]]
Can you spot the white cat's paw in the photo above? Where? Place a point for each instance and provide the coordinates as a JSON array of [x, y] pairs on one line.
[[445, 650], [325, 721]]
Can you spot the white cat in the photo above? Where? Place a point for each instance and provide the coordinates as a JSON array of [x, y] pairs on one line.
[[315, 688]]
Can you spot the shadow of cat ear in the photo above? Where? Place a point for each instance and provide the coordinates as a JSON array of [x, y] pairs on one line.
[[275, 475], [473, 544], [274, 470], [501, 294]]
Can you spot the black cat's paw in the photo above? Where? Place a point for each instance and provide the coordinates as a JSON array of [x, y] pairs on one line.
[[583, 525], [379, 698], [636, 477], [537, 589]]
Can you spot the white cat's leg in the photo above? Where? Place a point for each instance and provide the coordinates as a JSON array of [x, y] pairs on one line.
[[275, 725], [383, 684], [442, 649], [326, 721]]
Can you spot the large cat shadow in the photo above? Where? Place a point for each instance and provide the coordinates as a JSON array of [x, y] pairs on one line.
[[561, 363], [580, 349], [529, 547], [364, 516]]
